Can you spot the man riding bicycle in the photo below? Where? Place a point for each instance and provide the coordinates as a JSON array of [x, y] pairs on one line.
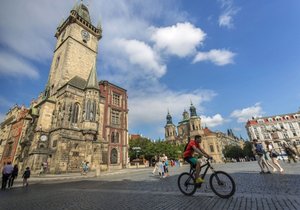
[[188, 155]]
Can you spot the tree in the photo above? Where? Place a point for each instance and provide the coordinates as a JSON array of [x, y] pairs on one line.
[[247, 150], [233, 151]]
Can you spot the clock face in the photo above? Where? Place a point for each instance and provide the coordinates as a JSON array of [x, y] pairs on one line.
[[43, 138], [85, 35]]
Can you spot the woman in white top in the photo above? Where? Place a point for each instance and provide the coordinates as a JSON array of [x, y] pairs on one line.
[[273, 155]]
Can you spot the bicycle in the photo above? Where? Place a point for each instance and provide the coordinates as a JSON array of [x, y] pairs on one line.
[[221, 183]]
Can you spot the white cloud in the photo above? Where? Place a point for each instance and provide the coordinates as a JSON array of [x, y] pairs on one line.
[[212, 121], [243, 115], [150, 108], [229, 10], [139, 53], [218, 57], [180, 39], [15, 66]]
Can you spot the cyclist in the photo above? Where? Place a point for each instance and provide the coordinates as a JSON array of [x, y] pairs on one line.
[[188, 155]]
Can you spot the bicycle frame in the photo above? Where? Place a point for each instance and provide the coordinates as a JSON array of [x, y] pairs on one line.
[[207, 165]]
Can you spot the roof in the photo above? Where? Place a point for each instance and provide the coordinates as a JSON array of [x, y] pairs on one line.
[[208, 132], [77, 82], [274, 118], [92, 80]]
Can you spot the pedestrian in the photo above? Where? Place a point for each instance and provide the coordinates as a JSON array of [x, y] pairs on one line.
[[155, 166], [290, 153], [268, 159], [161, 171], [14, 175], [26, 176], [41, 169], [259, 152], [6, 173], [166, 165], [273, 154]]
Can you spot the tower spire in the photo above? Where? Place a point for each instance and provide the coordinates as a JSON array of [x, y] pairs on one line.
[[92, 81]]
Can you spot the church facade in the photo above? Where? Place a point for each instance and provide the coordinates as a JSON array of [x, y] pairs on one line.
[[188, 128], [76, 118]]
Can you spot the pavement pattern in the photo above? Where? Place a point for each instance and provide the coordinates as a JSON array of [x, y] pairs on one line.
[[140, 189]]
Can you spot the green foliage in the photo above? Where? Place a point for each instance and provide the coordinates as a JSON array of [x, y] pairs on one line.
[[151, 149], [233, 151], [247, 150], [237, 152]]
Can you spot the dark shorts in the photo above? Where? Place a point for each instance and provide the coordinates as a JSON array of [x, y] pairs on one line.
[[191, 160]]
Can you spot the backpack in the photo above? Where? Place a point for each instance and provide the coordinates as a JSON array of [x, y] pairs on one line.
[[259, 149]]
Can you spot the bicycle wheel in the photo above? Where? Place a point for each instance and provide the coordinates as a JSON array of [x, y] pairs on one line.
[[222, 184], [186, 183]]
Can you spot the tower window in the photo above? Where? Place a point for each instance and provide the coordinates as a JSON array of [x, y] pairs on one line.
[[75, 112], [57, 62]]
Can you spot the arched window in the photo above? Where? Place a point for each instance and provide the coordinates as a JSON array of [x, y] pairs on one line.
[[114, 156], [87, 110], [114, 137], [75, 113]]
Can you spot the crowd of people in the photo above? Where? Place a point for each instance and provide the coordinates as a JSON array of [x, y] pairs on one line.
[[162, 166], [10, 173], [267, 157]]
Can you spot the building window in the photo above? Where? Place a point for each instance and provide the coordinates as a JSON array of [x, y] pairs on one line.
[[114, 156], [75, 112], [116, 99], [90, 110], [57, 62], [8, 151], [63, 35], [115, 117], [75, 154], [54, 143], [115, 137], [211, 148]]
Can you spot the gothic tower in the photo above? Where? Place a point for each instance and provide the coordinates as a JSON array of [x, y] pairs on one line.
[[76, 48], [170, 129], [195, 122], [67, 128]]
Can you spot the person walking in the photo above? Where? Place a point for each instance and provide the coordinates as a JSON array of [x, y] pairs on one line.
[[267, 156], [259, 152], [290, 153], [14, 175], [273, 155], [26, 176], [6, 173]]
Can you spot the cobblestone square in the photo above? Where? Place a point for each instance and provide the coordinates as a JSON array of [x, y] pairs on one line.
[[140, 189]]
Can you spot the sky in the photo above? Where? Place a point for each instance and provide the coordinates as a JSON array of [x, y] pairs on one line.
[[233, 60]]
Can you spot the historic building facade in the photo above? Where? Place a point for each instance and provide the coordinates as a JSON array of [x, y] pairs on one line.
[[76, 118], [189, 127], [278, 129]]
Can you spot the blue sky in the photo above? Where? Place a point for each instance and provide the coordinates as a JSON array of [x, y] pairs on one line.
[[232, 59]]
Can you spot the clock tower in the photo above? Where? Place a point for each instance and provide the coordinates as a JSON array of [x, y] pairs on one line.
[[76, 49]]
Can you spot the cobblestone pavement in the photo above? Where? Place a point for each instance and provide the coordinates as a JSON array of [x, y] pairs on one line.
[[140, 189]]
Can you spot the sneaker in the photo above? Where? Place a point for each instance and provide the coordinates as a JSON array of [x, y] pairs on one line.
[[199, 180]]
